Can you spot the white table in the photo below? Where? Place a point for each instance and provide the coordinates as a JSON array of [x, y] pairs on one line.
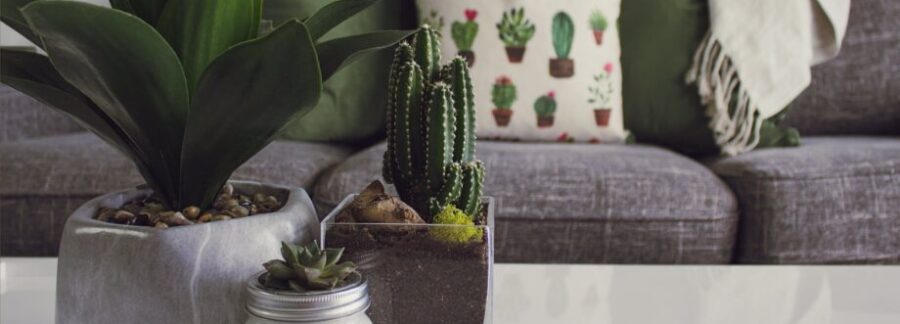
[[607, 294]]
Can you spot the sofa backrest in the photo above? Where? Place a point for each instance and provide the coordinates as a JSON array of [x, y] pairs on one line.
[[857, 92], [22, 117]]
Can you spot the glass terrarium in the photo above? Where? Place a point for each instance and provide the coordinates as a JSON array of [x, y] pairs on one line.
[[417, 275]]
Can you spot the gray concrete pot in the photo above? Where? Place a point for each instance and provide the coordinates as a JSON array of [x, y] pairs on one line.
[[111, 273]]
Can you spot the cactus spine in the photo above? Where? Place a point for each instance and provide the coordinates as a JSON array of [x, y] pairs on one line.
[[563, 33], [431, 130]]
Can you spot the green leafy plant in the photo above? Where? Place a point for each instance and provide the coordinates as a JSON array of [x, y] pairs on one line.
[[464, 32], [597, 21], [514, 29], [187, 89], [545, 106], [503, 94], [459, 229], [563, 31], [431, 130], [306, 268]]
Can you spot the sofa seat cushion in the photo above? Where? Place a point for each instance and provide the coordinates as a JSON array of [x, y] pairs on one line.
[[579, 203], [43, 180], [831, 200]]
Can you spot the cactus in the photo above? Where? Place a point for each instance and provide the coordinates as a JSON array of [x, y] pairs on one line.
[[514, 29], [545, 106], [504, 93], [464, 32], [563, 32], [431, 130], [306, 268]]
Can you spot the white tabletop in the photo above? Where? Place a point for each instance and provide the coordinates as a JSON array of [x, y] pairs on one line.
[[607, 294]]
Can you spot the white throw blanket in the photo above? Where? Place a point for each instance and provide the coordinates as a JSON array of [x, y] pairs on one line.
[[761, 52]]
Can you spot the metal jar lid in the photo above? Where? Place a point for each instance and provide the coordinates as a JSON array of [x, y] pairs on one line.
[[290, 306]]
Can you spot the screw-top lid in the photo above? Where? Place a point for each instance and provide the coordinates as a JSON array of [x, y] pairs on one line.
[[308, 306]]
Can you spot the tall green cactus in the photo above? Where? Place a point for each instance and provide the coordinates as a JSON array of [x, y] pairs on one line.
[[431, 130], [563, 33]]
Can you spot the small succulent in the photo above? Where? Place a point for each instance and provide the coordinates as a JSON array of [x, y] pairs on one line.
[[464, 231], [306, 268]]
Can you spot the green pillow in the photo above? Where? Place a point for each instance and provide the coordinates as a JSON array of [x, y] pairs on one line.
[[351, 109], [658, 39]]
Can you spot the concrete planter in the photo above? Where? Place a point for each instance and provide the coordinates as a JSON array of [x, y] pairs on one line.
[[112, 273]]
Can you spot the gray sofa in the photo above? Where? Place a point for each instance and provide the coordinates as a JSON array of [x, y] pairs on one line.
[[835, 199]]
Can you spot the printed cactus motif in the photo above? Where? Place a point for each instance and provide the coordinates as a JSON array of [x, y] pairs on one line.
[[504, 93], [545, 108], [545, 105], [515, 32], [431, 130], [598, 25], [464, 35], [563, 34], [601, 95]]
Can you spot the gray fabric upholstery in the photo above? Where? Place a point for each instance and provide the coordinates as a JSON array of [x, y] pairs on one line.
[[585, 203], [22, 117], [43, 180], [831, 200], [858, 92]]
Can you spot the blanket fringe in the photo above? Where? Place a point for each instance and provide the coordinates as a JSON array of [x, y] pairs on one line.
[[736, 127]]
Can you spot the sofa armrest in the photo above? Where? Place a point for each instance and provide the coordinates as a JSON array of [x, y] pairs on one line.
[[22, 117]]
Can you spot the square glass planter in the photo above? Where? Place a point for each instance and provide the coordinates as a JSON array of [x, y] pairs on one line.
[[415, 277]]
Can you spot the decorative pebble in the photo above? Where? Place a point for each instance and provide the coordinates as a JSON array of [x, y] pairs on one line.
[[150, 211], [191, 212]]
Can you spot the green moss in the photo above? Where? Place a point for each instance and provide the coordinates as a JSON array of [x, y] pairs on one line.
[[455, 234]]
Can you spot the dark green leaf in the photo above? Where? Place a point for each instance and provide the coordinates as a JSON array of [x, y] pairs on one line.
[[279, 270], [34, 75], [200, 30], [148, 10], [338, 53], [333, 14], [245, 97], [130, 73], [12, 17], [289, 252], [334, 255]]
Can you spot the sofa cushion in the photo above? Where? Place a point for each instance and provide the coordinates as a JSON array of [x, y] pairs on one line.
[[831, 200], [858, 92], [22, 117], [585, 203], [43, 180]]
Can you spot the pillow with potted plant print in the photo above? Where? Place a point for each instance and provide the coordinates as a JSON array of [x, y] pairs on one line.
[[541, 70]]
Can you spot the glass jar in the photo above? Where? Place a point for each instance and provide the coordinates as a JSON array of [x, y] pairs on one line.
[[344, 305]]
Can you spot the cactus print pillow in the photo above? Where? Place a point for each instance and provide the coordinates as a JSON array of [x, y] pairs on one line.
[[542, 70]]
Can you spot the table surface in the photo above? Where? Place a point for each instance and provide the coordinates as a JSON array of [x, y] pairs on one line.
[[618, 294]]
